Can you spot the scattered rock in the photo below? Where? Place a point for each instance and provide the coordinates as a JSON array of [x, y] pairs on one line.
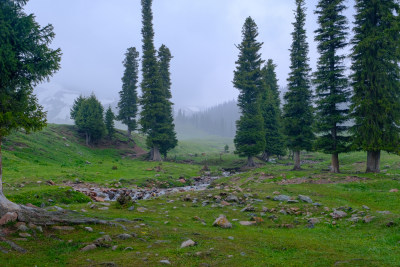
[[188, 243], [395, 190], [89, 247], [385, 212], [276, 193], [365, 207], [337, 214], [131, 208], [24, 235], [114, 248], [103, 208], [89, 229], [248, 208], [166, 262], [314, 221], [305, 199], [128, 248], [281, 198], [222, 222], [8, 217], [231, 238], [232, 198], [247, 223], [23, 228], [125, 236]]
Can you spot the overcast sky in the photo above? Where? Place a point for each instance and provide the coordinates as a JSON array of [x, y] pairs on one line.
[[201, 34]]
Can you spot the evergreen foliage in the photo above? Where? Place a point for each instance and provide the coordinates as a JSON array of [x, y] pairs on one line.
[[88, 116], [155, 112], [271, 112], [128, 102], [375, 79], [109, 122], [170, 141], [250, 137], [25, 61], [298, 111], [331, 82]]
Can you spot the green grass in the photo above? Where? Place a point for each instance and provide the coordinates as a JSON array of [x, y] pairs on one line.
[[169, 220]]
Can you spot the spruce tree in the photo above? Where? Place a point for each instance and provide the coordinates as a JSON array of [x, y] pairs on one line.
[[250, 137], [154, 112], [109, 122], [298, 111], [89, 118], [274, 141], [375, 79], [331, 82], [128, 95], [170, 141]]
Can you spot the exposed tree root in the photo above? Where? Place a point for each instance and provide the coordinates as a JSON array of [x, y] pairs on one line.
[[43, 217]]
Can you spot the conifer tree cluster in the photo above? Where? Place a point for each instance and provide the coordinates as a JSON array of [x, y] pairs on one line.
[[156, 117], [373, 109]]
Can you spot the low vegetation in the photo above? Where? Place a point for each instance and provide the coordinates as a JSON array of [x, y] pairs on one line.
[[293, 234]]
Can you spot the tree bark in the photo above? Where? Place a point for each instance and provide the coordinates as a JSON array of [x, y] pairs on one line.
[[87, 138], [373, 161], [5, 204], [155, 154], [296, 156], [266, 156], [335, 163], [129, 133], [250, 162]]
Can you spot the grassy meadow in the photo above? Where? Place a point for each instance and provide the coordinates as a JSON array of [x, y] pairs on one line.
[[286, 234]]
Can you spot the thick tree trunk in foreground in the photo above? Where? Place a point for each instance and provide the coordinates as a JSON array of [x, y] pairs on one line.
[[335, 163], [250, 162], [265, 156], [155, 154], [297, 165], [373, 161]]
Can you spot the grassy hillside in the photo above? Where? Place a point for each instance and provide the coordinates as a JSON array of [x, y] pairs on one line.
[[287, 234]]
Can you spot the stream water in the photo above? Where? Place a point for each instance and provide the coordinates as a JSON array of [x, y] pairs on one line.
[[111, 194]]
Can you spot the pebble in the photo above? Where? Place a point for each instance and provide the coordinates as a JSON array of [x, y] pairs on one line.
[[305, 198], [188, 243], [222, 222], [89, 247], [231, 238], [89, 229], [125, 236], [166, 262], [281, 198], [24, 235]]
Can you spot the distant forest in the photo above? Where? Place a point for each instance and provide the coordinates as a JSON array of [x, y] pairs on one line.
[[218, 120]]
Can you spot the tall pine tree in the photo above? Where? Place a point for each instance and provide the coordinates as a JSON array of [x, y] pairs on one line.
[[154, 114], [128, 95], [250, 136], [332, 89], [298, 111], [375, 79], [271, 113], [170, 141]]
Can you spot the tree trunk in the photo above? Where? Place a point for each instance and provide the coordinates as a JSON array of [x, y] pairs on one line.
[[5, 204], [250, 161], [87, 138], [155, 154], [373, 161], [296, 155], [265, 156], [129, 133], [335, 163]]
